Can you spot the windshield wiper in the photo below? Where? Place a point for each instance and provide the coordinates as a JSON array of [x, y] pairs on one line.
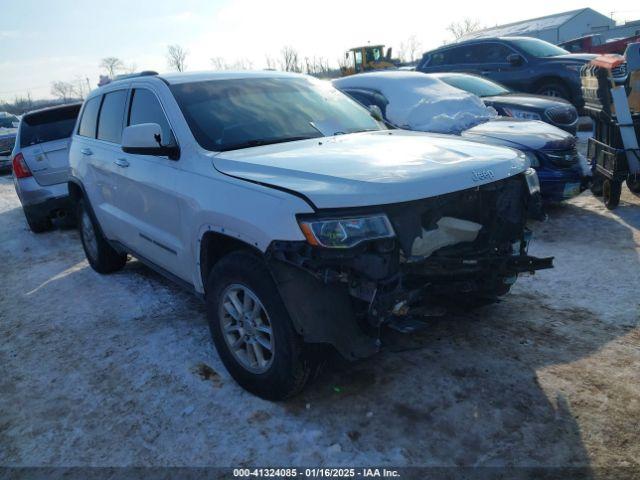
[[258, 142]]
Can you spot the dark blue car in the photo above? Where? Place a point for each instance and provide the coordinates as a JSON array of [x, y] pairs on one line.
[[552, 153], [521, 63]]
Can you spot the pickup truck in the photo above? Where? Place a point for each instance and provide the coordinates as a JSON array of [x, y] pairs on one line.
[[596, 44]]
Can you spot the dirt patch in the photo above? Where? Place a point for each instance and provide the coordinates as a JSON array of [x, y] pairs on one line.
[[205, 372]]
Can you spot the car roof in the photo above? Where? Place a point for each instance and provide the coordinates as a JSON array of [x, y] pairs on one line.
[[177, 78], [53, 108], [478, 40]]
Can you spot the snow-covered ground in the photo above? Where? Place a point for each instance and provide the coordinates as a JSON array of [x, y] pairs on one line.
[[119, 370]]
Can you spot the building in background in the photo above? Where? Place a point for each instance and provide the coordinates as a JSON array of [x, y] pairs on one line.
[[561, 27]]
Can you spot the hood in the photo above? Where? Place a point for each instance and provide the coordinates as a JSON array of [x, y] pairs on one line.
[[523, 134], [372, 168], [525, 100], [574, 57]]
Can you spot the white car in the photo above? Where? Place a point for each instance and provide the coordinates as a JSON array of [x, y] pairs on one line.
[[300, 219]]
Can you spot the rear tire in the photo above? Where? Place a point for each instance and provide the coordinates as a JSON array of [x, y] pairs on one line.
[[633, 183], [277, 373], [102, 257], [38, 225], [596, 185], [611, 191]]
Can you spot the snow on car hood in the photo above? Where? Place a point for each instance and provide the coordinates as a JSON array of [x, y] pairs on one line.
[[421, 102], [372, 168], [8, 132], [526, 134]]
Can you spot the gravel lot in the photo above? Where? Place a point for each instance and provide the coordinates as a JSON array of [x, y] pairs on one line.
[[119, 370]]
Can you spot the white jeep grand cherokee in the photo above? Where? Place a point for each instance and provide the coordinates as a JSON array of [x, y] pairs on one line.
[[300, 219]]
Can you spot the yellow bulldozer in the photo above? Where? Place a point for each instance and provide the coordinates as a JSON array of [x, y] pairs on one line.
[[365, 59]]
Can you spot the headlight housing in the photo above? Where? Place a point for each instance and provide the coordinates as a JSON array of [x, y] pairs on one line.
[[345, 232], [532, 180], [522, 114]]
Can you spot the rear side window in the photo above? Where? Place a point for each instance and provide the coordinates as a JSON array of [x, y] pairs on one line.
[[444, 57], [112, 116], [145, 108], [48, 125], [89, 119]]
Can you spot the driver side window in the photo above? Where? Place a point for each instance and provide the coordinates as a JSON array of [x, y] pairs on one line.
[[145, 108]]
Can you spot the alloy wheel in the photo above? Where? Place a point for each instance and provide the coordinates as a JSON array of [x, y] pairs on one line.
[[89, 236], [246, 328]]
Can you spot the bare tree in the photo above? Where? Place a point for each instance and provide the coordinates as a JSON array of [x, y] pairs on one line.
[[112, 65], [220, 63], [318, 66], [176, 57], [290, 61], [130, 68], [410, 49], [62, 90], [343, 62], [467, 25], [271, 63], [79, 87]]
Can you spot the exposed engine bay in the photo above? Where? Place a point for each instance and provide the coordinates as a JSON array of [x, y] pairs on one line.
[[466, 246]]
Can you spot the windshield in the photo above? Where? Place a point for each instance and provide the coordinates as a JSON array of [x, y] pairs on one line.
[[538, 48], [238, 113], [476, 85]]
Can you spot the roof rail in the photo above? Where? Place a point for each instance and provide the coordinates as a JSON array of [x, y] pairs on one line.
[[145, 73]]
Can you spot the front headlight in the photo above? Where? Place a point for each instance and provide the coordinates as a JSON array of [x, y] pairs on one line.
[[346, 232], [532, 180], [522, 114]]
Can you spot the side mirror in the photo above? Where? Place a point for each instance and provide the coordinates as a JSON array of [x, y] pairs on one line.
[[515, 59], [146, 139], [376, 113]]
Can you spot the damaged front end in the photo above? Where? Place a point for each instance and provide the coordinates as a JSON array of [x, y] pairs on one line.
[[368, 267]]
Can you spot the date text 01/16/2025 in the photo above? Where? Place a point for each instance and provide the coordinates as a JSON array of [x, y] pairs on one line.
[[315, 473]]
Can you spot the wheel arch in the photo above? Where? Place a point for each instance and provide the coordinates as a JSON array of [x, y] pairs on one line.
[[214, 245], [76, 191]]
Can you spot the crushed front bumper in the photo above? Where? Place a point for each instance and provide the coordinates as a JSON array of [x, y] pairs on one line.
[[344, 296], [346, 307]]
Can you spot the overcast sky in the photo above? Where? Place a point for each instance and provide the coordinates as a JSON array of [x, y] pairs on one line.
[[42, 41]]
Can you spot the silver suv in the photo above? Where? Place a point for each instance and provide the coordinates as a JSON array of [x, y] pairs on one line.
[[40, 161], [300, 219]]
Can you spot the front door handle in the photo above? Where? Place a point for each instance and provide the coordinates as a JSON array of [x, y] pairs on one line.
[[485, 72], [121, 162], [86, 151]]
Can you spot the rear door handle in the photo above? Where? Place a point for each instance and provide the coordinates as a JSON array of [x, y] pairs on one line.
[[485, 72], [121, 162], [86, 151]]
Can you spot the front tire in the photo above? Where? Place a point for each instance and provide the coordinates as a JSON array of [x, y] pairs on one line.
[[102, 257], [554, 90], [252, 330], [611, 191]]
